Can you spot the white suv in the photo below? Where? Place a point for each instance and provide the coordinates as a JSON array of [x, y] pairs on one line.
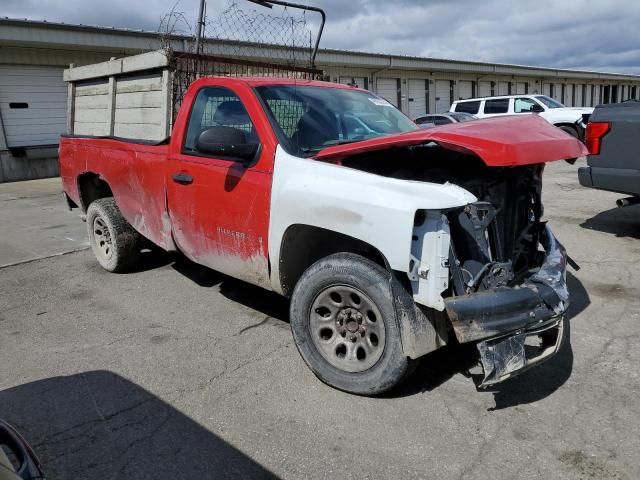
[[569, 119]]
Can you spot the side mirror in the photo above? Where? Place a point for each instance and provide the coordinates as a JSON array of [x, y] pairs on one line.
[[535, 108], [226, 142]]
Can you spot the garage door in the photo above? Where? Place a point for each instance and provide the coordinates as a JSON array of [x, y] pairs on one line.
[[521, 88], [33, 104], [418, 97], [389, 89], [596, 95], [503, 88], [578, 96], [465, 89], [568, 95], [484, 89], [443, 95], [546, 89], [557, 92], [360, 82]]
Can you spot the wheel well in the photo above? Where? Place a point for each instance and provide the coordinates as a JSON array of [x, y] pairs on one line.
[[91, 187], [303, 245], [570, 125]]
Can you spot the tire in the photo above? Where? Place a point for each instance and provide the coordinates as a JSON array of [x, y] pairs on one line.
[[113, 240], [368, 361], [570, 130]]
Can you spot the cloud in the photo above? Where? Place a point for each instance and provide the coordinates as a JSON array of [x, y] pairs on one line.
[[585, 34]]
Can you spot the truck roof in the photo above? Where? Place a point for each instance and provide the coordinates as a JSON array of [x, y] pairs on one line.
[[262, 81]]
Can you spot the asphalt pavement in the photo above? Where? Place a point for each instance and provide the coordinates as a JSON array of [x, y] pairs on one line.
[[175, 371]]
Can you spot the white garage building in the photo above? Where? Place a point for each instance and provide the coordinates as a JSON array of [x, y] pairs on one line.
[[33, 96]]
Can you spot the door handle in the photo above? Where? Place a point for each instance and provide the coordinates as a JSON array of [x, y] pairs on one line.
[[182, 178]]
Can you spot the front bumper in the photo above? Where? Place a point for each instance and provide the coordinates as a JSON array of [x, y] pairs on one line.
[[505, 357], [501, 319]]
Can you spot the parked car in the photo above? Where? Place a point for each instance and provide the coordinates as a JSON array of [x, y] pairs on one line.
[[17, 459], [572, 120], [437, 119], [389, 246], [614, 151]]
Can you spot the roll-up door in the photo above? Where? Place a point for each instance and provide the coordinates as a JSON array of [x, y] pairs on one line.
[[443, 96], [360, 82], [596, 95], [557, 92], [33, 105], [418, 100], [484, 89], [389, 89], [577, 92], [503, 88], [568, 95], [546, 89], [465, 89], [521, 88]]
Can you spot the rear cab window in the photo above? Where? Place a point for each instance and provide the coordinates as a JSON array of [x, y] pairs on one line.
[[497, 105], [468, 107]]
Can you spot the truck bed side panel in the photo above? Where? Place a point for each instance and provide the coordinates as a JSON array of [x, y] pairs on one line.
[[136, 175]]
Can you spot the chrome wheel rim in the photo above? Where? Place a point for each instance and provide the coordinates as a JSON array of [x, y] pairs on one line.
[[347, 328], [102, 238]]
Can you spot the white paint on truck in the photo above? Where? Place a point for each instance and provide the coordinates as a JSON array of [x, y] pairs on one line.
[[374, 209]]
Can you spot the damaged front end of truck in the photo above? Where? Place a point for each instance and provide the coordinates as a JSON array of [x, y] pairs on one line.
[[506, 289], [507, 270], [493, 265]]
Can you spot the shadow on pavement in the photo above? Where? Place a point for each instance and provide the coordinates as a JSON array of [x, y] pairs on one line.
[[269, 303], [529, 387], [622, 222], [100, 425]]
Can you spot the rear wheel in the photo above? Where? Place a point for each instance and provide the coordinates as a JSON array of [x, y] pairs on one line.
[[113, 240], [570, 130], [344, 325]]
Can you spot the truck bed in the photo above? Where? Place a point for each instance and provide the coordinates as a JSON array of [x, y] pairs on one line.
[[135, 170], [617, 167]]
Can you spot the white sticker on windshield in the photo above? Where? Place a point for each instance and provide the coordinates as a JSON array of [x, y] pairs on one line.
[[381, 102]]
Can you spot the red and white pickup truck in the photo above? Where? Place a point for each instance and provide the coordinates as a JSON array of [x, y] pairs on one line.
[[391, 241]]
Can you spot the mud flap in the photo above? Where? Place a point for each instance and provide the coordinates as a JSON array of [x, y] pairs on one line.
[[505, 357]]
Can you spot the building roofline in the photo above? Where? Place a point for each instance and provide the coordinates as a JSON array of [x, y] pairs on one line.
[[393, 60]]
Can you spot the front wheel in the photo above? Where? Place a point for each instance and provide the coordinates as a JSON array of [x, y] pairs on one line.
[[344, 325], [113, 240]]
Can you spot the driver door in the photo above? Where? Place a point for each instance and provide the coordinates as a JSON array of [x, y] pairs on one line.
[[219, 206]]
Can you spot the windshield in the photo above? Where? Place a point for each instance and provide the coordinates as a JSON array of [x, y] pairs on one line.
[[549, 102], [308, 119], [463, 117]]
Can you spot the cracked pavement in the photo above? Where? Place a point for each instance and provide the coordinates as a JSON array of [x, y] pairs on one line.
[[176, 371]]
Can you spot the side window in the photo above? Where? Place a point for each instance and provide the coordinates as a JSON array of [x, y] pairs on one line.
[[468, 107], [423, 120], [498, 105], [215, 106], [523, 105], [442, 121]]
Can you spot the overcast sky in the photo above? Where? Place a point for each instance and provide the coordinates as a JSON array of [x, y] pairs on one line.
[[584, 34]]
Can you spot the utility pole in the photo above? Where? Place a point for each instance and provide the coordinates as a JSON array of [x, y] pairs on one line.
[[199, 26]]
